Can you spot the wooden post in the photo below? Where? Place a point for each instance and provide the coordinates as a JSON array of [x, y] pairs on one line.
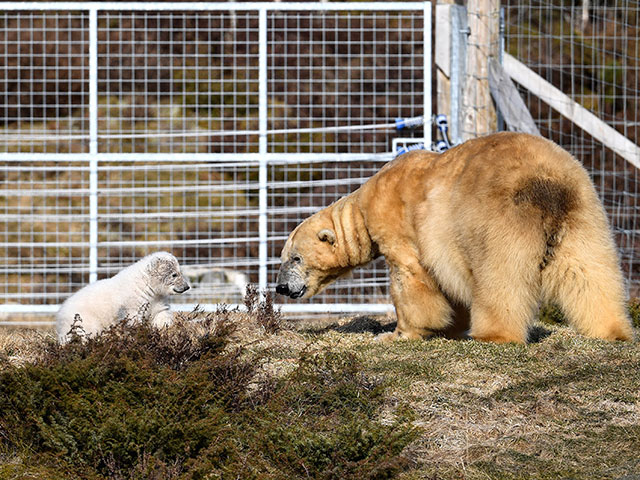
[[479, 115], [443, 58], [572, 110], [508, 100]]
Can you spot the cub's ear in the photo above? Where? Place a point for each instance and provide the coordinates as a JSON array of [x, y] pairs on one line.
[[326, 235]]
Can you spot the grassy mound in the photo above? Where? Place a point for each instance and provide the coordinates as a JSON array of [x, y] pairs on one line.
[[193, 402], [233, 395]]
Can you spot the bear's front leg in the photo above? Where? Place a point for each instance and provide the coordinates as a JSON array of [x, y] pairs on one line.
[[421, 307], [162, 319]]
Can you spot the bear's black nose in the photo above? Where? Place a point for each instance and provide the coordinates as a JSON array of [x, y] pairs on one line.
[[282, 289]]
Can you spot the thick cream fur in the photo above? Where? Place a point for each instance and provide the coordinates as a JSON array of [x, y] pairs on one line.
[[141, 289], [499, 224]]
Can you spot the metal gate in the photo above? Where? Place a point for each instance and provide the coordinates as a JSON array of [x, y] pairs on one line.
[[206, 129]]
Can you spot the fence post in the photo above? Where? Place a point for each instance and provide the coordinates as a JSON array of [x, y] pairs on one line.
[[426, 109], [479, 115], [459, 38], [93, 144], [451, 58], [262, 127]]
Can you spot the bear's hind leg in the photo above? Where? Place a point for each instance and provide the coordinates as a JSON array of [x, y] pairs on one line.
[[498, 324], [420, 306], [505, 300], [585, 281]]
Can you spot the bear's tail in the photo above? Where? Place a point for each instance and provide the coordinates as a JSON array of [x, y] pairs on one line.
[[554, 200]]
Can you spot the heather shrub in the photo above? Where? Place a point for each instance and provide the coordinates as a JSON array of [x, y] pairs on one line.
[[137, 402]]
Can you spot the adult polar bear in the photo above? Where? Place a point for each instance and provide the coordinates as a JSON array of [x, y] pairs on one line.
[[139, 289], [500, 223]]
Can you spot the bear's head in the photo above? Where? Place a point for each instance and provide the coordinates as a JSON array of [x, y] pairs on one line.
[[323, 248], [164, 273]]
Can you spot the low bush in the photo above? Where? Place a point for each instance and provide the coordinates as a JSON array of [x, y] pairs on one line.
[[137, 402]]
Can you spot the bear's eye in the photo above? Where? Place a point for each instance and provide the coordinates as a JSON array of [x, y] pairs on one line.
[[296, 259], [175, 275]]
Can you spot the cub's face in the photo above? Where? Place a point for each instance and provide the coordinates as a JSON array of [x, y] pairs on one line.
[[165, 273], [310, 259]]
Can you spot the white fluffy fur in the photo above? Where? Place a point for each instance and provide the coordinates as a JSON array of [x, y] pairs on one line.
[[139, 290]]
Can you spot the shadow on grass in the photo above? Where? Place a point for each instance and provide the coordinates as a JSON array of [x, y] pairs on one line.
[[537, 334], [375, 326], [365, 324]]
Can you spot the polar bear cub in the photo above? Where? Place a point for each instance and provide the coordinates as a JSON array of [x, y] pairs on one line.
[[141, 289]]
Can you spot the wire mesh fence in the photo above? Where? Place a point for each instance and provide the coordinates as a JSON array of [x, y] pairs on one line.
[[209, 130], [590, 51], [44, 88]]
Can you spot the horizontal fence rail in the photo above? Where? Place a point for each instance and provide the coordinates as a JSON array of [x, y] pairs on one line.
[[206, 129]]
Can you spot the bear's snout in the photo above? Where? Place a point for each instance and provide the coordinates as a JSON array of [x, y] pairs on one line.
[[283, 289], [182, 288], [290, 282]]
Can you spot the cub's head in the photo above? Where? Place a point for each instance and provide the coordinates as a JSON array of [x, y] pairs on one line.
[[312, 258], [164, 274]]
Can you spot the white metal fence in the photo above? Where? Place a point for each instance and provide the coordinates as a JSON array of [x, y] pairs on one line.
[[209, 130]]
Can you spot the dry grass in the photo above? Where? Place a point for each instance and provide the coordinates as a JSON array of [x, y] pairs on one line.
[[564, 407], [18, 345]]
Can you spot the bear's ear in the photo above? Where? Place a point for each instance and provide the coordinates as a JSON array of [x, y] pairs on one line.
[[326, 235]]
